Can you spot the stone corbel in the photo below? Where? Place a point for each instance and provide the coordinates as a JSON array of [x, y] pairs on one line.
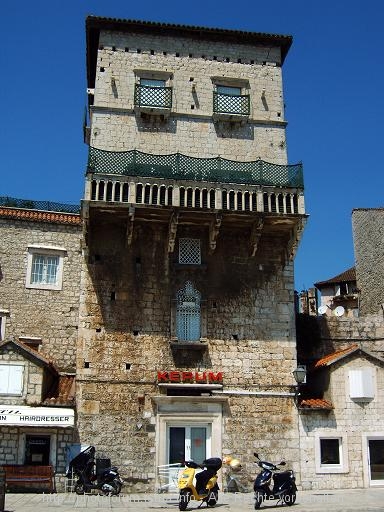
[[130, 223], [214, 229], [257, 229], [172, 230], [293, 242]]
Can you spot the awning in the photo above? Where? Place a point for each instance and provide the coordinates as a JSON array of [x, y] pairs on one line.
[[21, 416]]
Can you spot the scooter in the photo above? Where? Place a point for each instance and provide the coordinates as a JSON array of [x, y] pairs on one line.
[[199, 486], [108, 481], [284, 484]]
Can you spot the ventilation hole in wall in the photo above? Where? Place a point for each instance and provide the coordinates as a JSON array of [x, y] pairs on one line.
[[235, 336], [102, 70], [152, 52], [214, 57], [126, 49], [252, 61], [164, 53], [203, 56], [239, 61], [264, 62], [86, 364], [113, 48], [135, 332], [226, 59], [138, 50], [192, 107], [98, 329], [128, 366], [214, 304], [101, 47], [191, 79], [278, 114], [190, 55], [113, 295], [177, 54]]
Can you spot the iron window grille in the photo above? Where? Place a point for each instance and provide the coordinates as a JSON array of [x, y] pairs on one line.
[[230, 102], [189, 251], [153, 96], [188, 313]]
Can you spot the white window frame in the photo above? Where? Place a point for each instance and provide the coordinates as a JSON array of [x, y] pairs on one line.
[[3, 314], [342, 467], [6, 371], [39, 250]]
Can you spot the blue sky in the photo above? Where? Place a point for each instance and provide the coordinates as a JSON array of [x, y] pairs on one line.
[[334, 99]]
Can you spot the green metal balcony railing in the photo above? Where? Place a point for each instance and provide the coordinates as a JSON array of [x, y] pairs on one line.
[[181, 167], [153, 97], [230, 104], [30, 204]]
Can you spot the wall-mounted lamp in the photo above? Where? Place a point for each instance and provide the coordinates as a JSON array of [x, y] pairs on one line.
[[263, 93], [113, 81], [300, 375]]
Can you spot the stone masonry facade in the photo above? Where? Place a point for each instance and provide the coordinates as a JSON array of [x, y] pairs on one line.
[[49, 315]]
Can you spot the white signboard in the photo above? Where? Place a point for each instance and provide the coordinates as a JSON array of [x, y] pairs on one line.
[[36, 416]]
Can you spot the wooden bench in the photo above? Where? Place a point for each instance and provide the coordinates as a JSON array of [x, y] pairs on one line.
[[29, 476]]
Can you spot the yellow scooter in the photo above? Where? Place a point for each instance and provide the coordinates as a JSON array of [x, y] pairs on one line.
[[199, 486]]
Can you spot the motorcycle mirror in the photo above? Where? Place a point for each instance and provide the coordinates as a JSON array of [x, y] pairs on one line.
[[282, 463], [255, 454]]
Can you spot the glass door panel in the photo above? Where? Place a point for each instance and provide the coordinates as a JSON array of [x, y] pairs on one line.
[[376, 460]]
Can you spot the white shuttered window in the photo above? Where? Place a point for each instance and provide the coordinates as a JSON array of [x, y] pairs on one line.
[[361, 384], [11, 379]]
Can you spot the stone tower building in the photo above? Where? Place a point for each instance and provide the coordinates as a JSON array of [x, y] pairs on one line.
[[191, 220]]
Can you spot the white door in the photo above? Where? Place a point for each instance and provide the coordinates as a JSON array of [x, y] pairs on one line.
[[186, 442]]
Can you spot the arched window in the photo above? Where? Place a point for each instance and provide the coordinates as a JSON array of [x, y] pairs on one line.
[[188, 313]]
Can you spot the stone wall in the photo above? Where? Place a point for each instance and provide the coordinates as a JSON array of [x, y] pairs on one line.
[[47, 314], [368, 237], [190, 128], [126, 328], [350, 420]]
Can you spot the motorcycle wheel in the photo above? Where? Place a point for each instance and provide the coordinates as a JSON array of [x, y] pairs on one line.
[[184, 499], [79, 488], [258, 499], [212, 498], [290, 498]]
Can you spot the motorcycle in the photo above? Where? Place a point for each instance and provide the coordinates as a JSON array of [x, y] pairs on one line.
[[108, 480], [199, 486], [284, 484]]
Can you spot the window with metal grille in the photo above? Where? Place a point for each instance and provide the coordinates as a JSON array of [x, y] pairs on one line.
[[189, 251], [188, 313]]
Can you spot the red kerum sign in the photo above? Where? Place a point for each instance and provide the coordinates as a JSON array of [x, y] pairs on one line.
[[189, 377]]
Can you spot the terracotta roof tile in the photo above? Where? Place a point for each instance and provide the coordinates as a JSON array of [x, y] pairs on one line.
[[316, 404], [40, 216], [346, 276], [335, 356]]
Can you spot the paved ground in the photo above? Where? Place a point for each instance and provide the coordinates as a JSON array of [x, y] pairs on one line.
[[367, 500]]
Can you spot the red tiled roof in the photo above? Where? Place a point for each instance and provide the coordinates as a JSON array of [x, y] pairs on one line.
[[34, 354], [316, 403], [346, 276], [335, 356], [40, 216]]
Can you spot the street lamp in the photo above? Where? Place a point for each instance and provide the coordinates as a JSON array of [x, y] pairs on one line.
[[300, 374]]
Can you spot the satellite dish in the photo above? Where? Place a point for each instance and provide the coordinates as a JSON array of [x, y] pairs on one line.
[[339, 311], [322, 310]]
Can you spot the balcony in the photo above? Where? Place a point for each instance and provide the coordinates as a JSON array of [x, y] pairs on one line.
[[153, 100], [230, 107], [180, 167]]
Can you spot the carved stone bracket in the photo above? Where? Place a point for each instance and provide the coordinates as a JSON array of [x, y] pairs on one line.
[[172, 230], [295, 239], [257, 229], [130, 223], [214, 229]]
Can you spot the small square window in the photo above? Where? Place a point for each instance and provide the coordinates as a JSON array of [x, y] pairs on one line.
[[329, 451], [189, 251], [45, 268], [11, 379]]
